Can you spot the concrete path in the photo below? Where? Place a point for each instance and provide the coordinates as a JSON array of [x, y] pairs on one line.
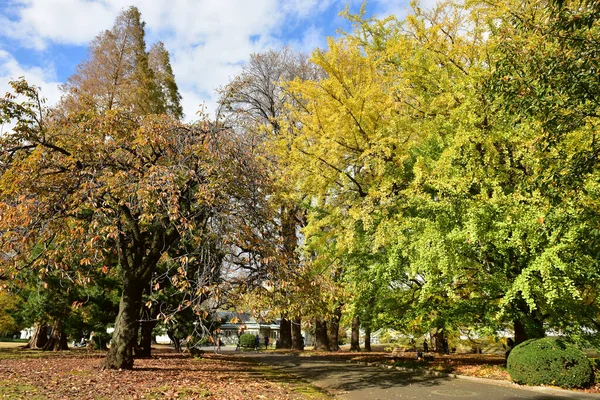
[[359, 382]]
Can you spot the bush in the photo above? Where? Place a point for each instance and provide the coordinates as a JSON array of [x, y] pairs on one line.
[[595, 362], [549, 361], [247, 340]]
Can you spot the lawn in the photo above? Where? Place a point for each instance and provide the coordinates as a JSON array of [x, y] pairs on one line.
[[76, 374]]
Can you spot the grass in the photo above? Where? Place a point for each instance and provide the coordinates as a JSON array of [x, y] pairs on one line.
[[11, 340], [15, 390], [167, 391], [293, 383], [11, 345]]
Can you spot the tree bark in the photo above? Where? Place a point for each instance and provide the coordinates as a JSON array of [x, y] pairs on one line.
[[368, 322], [297, 341], [285, 334], [334, 329], [120, 354], [321, 339], [146, 338], [176, 341], [58, 338], [38, 340], [439, 341], [354, 339], [367, 338], [531, 329]]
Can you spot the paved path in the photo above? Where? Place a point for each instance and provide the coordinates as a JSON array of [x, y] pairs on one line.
[[359, 382]]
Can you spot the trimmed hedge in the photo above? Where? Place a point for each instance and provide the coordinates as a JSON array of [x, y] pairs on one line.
[[549, 361], [247, 340]]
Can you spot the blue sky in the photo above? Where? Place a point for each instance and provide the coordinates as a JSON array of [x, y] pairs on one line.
[[209, 40]]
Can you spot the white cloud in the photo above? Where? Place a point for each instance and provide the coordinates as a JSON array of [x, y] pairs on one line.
[[208, 39], [45, 78]]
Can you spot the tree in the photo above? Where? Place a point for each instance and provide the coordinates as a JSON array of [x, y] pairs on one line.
[[119, 73], [9, 303], [118, 183], [255, 103], [159, 62]]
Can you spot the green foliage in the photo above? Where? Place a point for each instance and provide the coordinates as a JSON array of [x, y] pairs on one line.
[[549, 361], [9, 303], [595, 363], [247, 340]]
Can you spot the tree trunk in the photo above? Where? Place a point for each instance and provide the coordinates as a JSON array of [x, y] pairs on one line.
[[334, 329], [354, 339], [439, 341], [58, 338], [368, 338], [176, 341], [120, 354], [531, 329], [368, 322], [285, 334], [39, 338], [297, 340], [321, 339], [146, 338]]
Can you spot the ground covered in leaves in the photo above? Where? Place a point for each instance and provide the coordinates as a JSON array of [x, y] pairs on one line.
[[76, 374]]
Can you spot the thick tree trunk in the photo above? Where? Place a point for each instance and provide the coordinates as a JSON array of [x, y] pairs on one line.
[[355, 337], [39, 338], [146, 338], [368, 338], [58, 338], [297, 340], [439, 341], [285, 334], [334, 329], [120, 354], [520, 334], [321, 339], [532, 329]]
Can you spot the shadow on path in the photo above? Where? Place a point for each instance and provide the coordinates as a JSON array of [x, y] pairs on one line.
[[355, 381]]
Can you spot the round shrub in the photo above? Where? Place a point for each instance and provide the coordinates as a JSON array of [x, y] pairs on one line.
[[549, 361], [247, 340]]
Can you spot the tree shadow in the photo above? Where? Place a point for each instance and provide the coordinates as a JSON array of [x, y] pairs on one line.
[[341, 376]]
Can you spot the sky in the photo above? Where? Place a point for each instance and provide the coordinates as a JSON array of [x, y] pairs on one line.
[[209, 40]]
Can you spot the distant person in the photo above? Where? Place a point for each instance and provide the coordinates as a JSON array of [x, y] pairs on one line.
[[266, 342], [237, 347], [256, 342], [445, 346], [425, 346]]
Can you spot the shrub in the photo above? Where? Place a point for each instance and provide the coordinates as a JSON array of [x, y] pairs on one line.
[[247, 340], [595, 362], [549, 361]]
